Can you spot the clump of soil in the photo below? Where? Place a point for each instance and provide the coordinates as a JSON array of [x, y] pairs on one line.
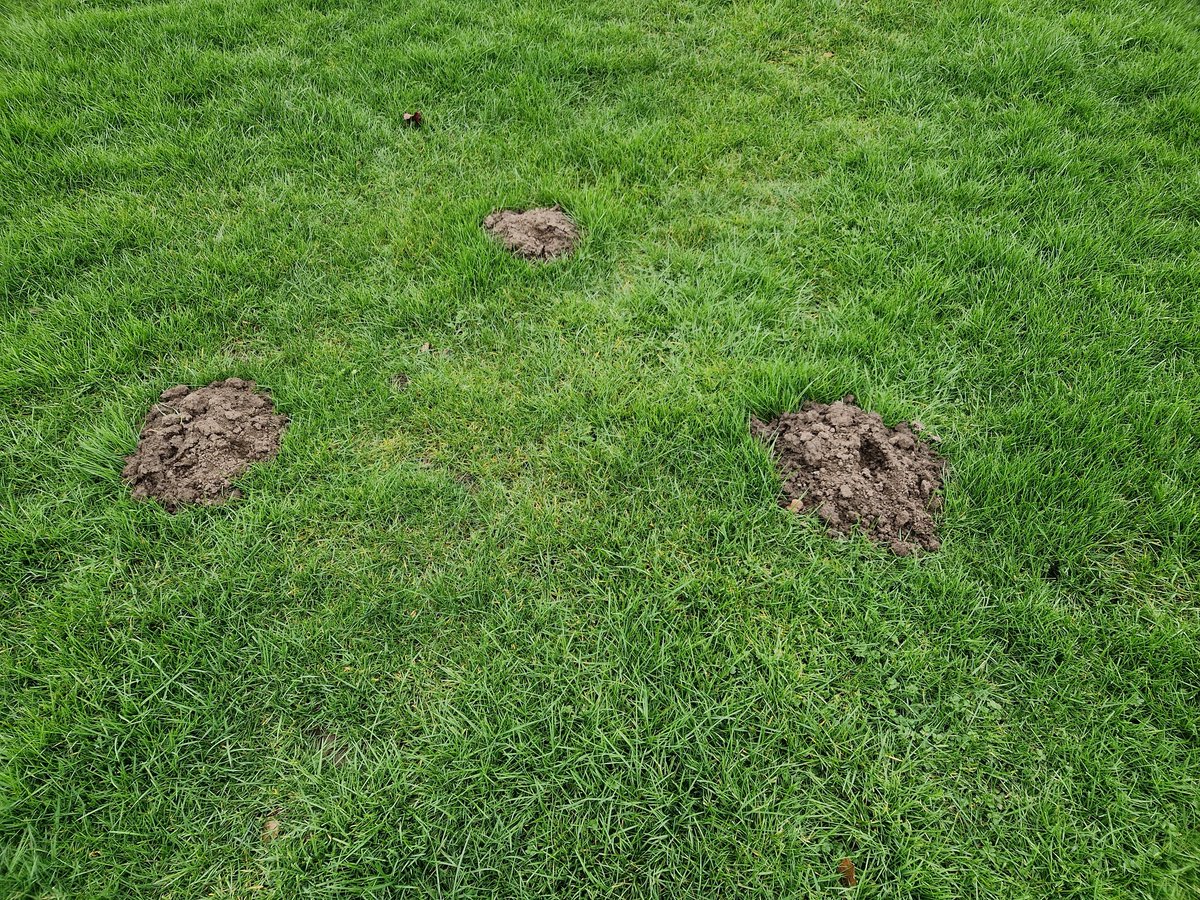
[[843, 463], [195, 442], [536, 234]]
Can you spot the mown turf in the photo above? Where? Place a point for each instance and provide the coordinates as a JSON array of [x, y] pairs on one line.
[[543, 598]]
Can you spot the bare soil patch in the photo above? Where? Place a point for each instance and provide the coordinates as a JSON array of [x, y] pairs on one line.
[[535, 234], [332, 748], [843, 463], [195, 442]]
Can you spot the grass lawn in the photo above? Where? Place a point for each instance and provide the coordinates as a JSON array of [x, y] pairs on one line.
[[535, 625]]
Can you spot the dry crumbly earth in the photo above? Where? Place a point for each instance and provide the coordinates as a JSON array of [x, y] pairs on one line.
[[538, 234], [855, 472], [196, 442]]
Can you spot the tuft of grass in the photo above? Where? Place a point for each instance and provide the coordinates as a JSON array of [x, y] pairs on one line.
[[543, 597]]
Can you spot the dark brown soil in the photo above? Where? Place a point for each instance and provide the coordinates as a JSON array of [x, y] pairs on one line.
[[194, 443], [536, 234], [329, 745], [843, 463]]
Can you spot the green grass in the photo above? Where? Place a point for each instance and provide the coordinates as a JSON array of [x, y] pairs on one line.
[[544, 597]]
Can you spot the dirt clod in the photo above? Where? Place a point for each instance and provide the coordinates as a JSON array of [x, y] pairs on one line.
[[536, 234], [843, 463], [195, 442]]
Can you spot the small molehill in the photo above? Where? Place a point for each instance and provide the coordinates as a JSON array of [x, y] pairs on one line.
[[536, 234], [196, 441], [843, 463]]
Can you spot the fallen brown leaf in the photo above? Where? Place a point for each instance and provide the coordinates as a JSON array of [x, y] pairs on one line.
[[413, 119], [846, 870], [271, 827]]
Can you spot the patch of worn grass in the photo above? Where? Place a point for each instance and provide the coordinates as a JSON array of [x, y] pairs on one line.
[[543, 596]]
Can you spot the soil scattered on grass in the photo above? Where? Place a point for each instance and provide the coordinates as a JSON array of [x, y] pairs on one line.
[[195, 442], [536, 234], [843, 463]]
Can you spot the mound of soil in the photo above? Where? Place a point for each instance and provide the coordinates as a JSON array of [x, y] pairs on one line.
[[536, 234], [843, 463], [195, 442]]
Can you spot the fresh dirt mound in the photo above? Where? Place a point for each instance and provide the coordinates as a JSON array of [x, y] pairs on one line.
[[536, 234], [195, 442], [854, 471]]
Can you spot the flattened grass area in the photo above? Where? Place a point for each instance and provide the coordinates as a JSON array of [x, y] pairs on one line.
[[543, 598]]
